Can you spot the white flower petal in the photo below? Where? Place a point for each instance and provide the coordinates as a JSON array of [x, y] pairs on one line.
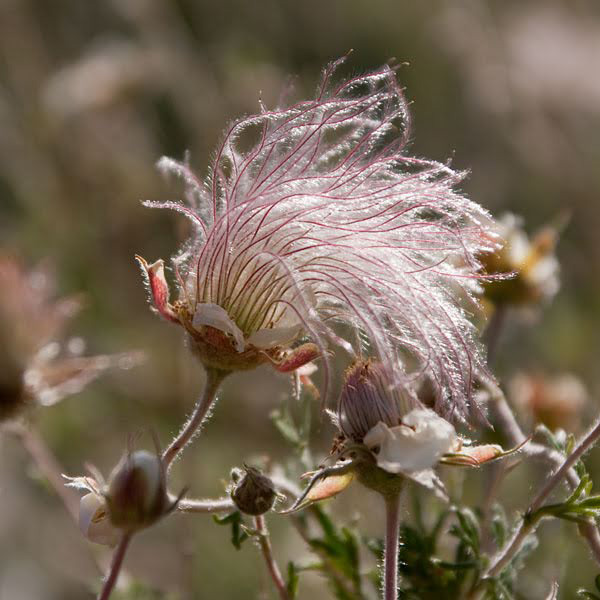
[[217, 317], [94, 522], [415, 445], [276, 336]]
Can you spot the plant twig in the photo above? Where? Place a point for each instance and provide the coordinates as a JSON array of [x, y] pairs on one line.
[[115, 567], [582, 447], [528, 525], [49, 467], [267, 552], [390, 561], [190, 428]]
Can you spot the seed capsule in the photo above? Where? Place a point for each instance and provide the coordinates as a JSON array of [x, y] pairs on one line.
[[254, 493]]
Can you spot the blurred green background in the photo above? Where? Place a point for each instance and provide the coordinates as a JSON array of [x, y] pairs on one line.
[[94, 92]]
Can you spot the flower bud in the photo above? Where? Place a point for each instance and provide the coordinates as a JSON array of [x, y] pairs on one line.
[[254, 493], [137, 491]]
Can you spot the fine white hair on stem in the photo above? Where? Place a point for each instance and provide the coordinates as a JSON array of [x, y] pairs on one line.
[[316, 206]]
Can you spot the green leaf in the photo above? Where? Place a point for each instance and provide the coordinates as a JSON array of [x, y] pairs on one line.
[[550, 438], [593, 502], [580, 490], [286, 427], [499, 525], [340, 547], [293, 580], [238, 532]]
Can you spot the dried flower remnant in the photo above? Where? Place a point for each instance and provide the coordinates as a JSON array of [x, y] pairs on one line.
[[326, 220], [532, 260], [253, 493], [34, 367]]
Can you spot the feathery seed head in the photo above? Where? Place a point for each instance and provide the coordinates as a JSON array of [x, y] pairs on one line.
[[326, 220]]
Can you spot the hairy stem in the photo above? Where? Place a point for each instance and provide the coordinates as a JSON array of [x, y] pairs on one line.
[[267, 552], [390, 561], [191, 427], [582, 447], [115, 567], [205, 506]]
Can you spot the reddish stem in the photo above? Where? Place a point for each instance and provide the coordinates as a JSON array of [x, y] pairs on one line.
[[115, 567], [267, 551]]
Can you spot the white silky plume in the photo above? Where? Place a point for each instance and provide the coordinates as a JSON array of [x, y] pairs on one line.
[[326, 220]]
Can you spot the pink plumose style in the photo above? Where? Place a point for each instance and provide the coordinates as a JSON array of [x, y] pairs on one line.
[[325, 220]]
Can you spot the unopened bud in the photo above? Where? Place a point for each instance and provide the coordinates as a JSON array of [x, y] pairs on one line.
[[253, 493], [137, 491]]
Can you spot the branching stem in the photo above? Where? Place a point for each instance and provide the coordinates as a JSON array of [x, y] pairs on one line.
[[529, 524], [205, 506], [190, 428]]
